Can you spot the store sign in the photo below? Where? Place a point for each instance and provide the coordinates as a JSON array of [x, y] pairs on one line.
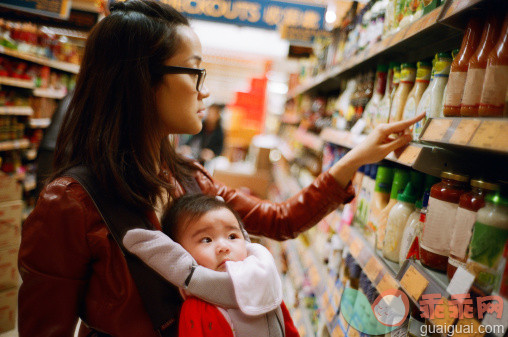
[[266, 14], [54, 8], [301, 35]]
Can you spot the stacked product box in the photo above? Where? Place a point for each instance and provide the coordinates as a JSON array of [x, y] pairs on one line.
[[10, 235]]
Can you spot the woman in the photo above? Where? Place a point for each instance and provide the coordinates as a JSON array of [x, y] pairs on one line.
[[139, 82]]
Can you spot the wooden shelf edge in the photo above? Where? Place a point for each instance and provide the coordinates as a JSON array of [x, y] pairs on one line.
[[65, 66]]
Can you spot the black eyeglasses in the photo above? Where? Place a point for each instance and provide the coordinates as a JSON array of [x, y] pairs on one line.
[[184, 70]]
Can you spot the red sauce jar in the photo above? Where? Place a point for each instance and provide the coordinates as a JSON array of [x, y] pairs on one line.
[[465, 218], [443, 204]]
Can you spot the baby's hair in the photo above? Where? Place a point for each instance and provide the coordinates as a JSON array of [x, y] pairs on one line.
[[191, 207]]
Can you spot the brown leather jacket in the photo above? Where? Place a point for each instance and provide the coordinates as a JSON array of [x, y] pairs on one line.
[[71, 267]]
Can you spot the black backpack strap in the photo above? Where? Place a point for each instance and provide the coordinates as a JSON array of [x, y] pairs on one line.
[[161, 299]]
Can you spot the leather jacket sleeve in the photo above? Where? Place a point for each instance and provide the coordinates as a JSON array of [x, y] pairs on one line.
[[285, 220], [53, 290]]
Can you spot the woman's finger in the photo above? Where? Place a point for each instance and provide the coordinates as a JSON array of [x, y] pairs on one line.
[[395, 144], [400, 126]]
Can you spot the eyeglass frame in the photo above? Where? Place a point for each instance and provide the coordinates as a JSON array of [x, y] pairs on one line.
[[201, 72]]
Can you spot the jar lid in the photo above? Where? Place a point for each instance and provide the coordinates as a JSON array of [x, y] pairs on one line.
[[454, 176], [444, 55], [484, 185], [408, 65], [424, 64]]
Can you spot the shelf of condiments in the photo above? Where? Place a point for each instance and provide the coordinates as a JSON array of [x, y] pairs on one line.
[[476, 238], [440, 87], [382, 28], [41, 45], [465, 220]]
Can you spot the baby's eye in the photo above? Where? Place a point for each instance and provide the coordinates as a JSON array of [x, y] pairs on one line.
[[205, 240], [233, 236]]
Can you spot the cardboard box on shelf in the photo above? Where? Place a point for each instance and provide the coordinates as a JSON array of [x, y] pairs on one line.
[[10, 189], [9, 267], [8, 300], [257, 181], [10, 223]]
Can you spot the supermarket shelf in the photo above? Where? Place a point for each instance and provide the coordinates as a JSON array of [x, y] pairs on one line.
[[65, 66], [14, 144], [16, 110], [472, 133], [309, 140], [15, 82], [441, 29], [50, 93], [39, 123], [407, 156]]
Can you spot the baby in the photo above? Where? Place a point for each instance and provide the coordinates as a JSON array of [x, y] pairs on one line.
[[213, 234]]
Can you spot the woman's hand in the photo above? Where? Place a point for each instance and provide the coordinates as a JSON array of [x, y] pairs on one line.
[[384, 139]]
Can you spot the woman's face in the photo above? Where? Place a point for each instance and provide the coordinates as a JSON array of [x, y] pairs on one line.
[[179, 105]]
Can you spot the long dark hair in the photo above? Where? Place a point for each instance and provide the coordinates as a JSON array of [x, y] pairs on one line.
[[112, 125]]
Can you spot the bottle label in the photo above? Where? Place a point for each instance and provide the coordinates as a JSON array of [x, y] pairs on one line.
[[462, 231], [442, 68], [487, 244], [440, 219], [455, 88], [408, 75], [473, 88], [494, 87], [423, 74], [396, 77], [410, 110]]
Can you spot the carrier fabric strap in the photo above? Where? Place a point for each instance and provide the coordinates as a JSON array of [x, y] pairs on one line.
[[161, 299]]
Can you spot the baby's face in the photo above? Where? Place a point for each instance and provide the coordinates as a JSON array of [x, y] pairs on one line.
[[213, 239]]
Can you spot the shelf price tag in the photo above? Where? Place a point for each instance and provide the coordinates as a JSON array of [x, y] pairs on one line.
[[491, 135], [356, 247], [464, 131], [409, 155], [436, 129], [386, 283], [461, 282], [414, 283], [345, 233], [337, 331], [373, 268]]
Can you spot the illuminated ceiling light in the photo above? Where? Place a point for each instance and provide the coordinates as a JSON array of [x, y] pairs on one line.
[[330, 16]]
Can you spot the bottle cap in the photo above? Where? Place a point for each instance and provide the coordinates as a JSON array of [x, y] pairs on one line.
[[408, 65], [408, 195], [400, 179], [393, 65], [384, 179], [454, 176], [497, 199], [444, 55], [426, 196], [419, 204], [484, 185], [382, 68], [373, 171], [424, 64]]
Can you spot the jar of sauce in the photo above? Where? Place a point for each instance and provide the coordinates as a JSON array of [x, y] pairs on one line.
[[490, 237], [465, 218], [443, 204]]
